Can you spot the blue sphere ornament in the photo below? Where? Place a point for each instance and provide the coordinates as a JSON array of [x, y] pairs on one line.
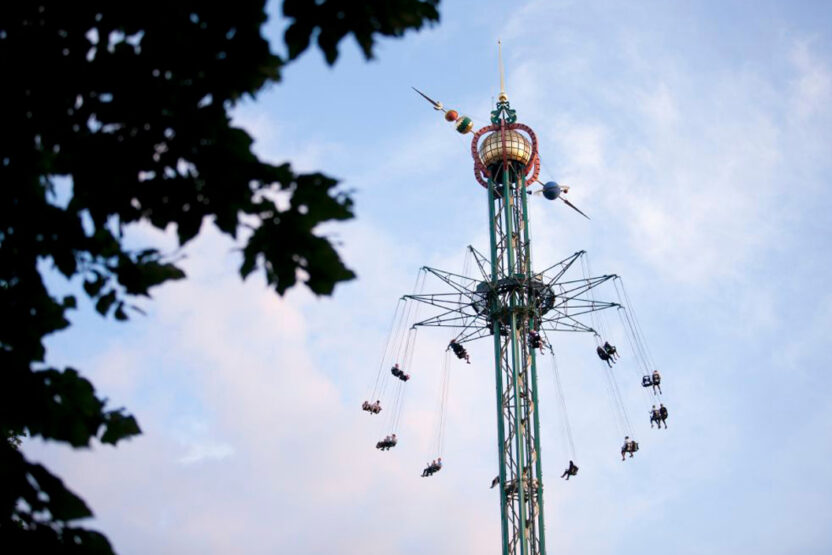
[[551, 190]]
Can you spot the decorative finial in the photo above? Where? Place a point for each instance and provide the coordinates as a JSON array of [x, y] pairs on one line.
[[503, 96], [463, 124]]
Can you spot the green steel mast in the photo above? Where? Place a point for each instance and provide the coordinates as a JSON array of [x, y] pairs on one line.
[[514, 312]]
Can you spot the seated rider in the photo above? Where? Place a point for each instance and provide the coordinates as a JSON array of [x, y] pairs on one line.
[[663, 414], [459, 351], [572, 470], [366, 406], [433, 467], [602, 354], [429, 469], [657, 380], [396, 371], [611, 350], [387, 443], [655, 417], [535, 341], [628, 447], [404, 377]]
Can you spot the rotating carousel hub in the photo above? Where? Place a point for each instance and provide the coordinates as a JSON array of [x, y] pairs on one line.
[[492, 301]]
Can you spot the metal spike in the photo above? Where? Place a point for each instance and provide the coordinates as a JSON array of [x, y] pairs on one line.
[[436, 105], [575, 208]]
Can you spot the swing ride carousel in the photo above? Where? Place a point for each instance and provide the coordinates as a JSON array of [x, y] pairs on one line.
[[521, 310]]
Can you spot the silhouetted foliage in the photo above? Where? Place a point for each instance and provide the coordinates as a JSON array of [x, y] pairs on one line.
[[129, 101]]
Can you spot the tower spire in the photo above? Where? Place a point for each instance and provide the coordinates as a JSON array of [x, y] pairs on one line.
[[503, 96], [503, 110]]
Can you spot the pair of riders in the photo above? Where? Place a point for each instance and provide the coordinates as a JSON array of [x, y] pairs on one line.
[[459, 351], [372, 408], [608, 353], [399, 373], [659, 416], [653, 381], [433, 467], [386, 443], [630, 446]]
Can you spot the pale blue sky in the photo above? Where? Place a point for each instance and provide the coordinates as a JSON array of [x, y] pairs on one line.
[[696, 135]]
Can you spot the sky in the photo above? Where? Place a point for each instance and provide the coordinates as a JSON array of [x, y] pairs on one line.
[[697, 136]]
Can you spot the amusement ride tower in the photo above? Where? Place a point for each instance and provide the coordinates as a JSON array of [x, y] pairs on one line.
[[514, 305]]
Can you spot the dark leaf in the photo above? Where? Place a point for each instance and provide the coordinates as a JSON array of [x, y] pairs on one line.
[[93, 286], [62, 503], [70, 302], [105, 301], [119, 312], [119, 426]]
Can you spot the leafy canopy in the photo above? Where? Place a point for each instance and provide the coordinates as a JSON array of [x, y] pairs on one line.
[[129, 101]]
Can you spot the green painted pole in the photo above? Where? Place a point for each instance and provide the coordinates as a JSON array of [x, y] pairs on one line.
[[538, 462], [501, 436], [507, 208]]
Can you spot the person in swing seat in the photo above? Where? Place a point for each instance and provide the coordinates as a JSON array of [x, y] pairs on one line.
[[572, 470], [387, 443], [655, 417], [656, 380], [396, 371], [372, 408], [611, 350], [630, 446], [434, 466], [663, 415], [602, 354], [459, 351], [535, 341]]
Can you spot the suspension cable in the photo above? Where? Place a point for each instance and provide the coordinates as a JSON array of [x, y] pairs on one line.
[[406, 351], [562, 405], [595, 319], [444, 388], [398, 313], [639, 335]]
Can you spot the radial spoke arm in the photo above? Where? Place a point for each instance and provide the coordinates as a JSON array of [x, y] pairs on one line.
[[473, 334], [450, 319], [566, 323], [562, 266], [482, 263], [447, 301], [462, 284]]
